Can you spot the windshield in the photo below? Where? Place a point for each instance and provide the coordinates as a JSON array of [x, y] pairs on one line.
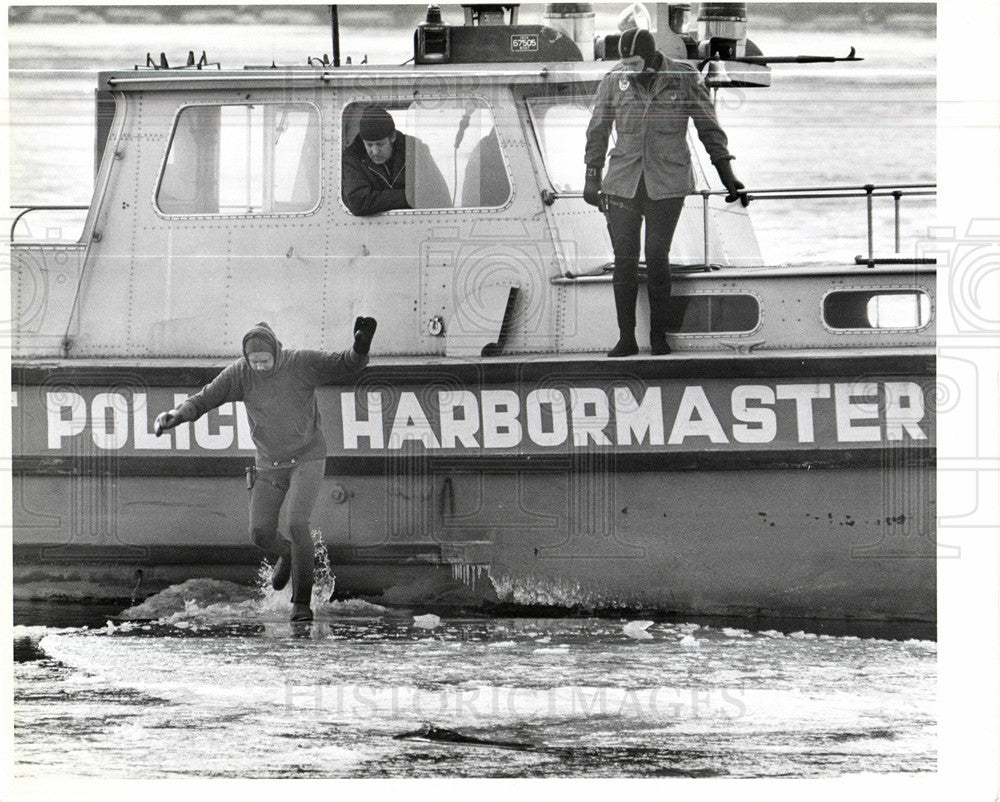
[[561, 126]]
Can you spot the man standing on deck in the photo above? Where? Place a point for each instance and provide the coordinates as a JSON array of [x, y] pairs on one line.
[[648, 98], [278, 387]]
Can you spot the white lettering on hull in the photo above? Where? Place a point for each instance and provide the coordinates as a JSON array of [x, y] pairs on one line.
[[692, 416]]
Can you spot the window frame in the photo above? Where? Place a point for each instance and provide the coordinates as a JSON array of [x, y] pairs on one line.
[[243, 215], [874, 291], [537, 131], [716, 334], [390, 104]]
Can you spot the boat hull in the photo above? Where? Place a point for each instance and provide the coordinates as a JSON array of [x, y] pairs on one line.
[[751, 487]]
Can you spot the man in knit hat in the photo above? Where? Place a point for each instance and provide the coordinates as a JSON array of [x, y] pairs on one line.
[[648, 99], [385, 169], [278, 387]]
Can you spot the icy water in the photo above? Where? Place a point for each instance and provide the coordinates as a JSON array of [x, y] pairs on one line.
[[230, 689]]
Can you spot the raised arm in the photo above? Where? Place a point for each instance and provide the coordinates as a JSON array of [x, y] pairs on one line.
[[327, 367]]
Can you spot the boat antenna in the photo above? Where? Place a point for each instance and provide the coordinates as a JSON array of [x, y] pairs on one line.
[[335, 33]]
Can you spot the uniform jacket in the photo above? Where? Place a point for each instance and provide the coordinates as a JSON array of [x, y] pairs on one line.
[[280, 404], [651, 126], [371, 188]]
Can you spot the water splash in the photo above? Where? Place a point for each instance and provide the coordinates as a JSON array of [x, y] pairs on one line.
[[203, 602], [324, 581], [530, 589], [195, 596]]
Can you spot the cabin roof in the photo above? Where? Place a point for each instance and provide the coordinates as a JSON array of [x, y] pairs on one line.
[[145, 79]]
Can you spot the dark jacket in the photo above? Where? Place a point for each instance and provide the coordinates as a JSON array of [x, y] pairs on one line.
[[651, 124], [370, 188], [280, 404]]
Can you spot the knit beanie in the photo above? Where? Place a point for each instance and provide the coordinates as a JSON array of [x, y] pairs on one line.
[[637, 42], [376, 124]]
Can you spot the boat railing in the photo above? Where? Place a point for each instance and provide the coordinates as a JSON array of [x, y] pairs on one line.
[[39, 207], [867, 191]]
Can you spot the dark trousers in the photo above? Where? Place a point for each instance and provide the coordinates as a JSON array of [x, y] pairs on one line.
[[625, 218], [298, 487]]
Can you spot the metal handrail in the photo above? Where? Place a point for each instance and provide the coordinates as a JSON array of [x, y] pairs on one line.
[[40, 207], [854, 188], [867, 191]]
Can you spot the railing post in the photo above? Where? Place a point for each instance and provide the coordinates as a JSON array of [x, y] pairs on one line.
[[896, 195], [704, 220], [869, 189]]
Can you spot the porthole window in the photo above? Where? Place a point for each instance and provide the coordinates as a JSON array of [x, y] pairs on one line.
[[713, 314], [877, 309]]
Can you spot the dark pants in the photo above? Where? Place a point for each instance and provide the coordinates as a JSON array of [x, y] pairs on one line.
[[298, 485], [625, 219]]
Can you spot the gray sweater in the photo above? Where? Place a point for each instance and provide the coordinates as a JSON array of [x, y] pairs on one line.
[[281, 404]]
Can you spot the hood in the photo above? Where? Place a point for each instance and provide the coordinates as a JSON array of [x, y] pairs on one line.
[[264, 332]]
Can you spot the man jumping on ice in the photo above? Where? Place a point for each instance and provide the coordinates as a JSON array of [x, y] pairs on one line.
[[278, 387]]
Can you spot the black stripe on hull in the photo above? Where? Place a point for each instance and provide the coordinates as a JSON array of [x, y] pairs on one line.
[[582, 461]]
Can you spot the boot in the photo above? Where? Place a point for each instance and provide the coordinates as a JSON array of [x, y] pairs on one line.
[[659, 299], [625, 295], [282, 572], [626, 346], [301, 568], [301, 612], [658, 343], [282, 568]]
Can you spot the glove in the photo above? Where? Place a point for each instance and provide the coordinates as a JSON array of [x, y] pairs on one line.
[[173, 417], [592, 186], [166, 420], [725, 171], [364, 331]]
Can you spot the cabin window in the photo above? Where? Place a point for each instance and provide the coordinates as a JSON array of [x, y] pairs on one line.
[[255, 159], [452, 156], [714, 313], [877, 309], [561, 128]]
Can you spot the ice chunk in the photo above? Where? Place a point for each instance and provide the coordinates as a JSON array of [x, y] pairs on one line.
[[637, 630]]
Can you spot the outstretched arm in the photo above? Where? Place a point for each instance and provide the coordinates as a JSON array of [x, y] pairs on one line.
[[224, 387], [174, 417]]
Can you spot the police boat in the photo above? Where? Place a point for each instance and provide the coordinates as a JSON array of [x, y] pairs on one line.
[[779, 462]]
